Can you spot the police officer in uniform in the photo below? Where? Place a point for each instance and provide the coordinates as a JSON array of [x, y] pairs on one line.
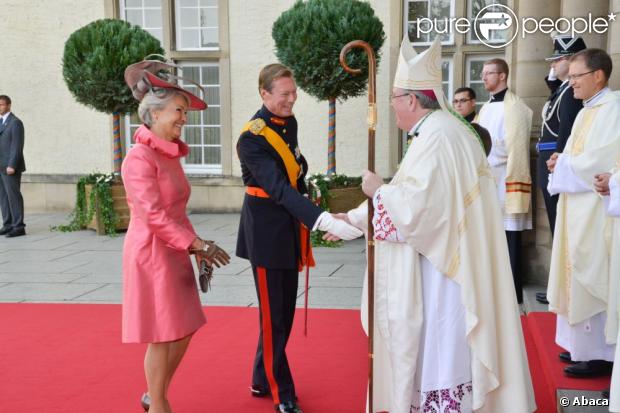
[[274, 228], [558, 116]]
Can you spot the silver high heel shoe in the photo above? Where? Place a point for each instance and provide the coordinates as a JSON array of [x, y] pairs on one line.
[[145, 401]]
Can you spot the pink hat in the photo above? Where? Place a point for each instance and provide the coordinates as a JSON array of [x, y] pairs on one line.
[[151, 74]]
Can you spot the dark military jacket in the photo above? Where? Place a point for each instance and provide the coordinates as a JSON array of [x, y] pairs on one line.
[[559, 114], [269, 227]]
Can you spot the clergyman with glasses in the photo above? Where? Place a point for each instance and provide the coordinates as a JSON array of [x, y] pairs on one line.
[[439, 303], [464, 103], [582, 290], [509, 121], [558, 116]]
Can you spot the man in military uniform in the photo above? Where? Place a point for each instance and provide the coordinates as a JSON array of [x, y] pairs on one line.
[[273, 231], [558, 116]]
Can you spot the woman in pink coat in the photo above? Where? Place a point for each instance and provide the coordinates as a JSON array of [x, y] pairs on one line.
[[160, 297]]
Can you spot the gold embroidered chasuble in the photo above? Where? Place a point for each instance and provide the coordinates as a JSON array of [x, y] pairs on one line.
[[517, 129], [579, 278]]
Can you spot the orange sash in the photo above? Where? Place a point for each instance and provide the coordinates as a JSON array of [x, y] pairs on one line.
[[307, 258]]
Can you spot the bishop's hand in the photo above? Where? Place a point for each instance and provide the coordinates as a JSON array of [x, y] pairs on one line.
[[370, 183]]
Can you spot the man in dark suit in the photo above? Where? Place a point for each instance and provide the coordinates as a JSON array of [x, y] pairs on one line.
[[274, 229], [11, 167], [558, 116]]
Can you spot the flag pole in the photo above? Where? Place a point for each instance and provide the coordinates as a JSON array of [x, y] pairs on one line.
[[372, 123]]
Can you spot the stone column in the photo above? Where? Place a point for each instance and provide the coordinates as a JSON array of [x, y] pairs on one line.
[[613, 44], [581, 8]]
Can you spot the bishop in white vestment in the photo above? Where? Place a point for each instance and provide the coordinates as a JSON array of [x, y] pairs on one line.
[[447, 330]]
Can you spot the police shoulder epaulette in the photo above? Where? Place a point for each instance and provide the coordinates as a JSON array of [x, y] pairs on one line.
[[256, 126]]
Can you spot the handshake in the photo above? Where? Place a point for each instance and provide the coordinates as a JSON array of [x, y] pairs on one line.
[[337, 227]]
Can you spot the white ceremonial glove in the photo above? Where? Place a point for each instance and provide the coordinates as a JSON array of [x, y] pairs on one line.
[[337, 227], [552, 75]]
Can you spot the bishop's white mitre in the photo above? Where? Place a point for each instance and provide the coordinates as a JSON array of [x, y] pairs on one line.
[[420, 71]]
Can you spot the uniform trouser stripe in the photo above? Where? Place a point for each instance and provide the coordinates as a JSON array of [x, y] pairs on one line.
[[267, 333]]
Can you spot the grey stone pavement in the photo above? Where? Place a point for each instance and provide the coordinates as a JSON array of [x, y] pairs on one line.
[[82, 267]]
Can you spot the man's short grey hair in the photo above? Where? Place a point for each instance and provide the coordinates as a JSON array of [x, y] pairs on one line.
[[425, 101], [156, 100]]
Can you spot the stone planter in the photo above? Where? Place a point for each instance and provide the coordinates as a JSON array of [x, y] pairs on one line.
[[344, 199], [120, 207]]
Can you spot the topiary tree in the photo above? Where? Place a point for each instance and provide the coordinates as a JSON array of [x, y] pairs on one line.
[[93, 66], [309, 37]]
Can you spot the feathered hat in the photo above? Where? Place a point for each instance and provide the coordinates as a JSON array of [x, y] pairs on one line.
[[154, 74]]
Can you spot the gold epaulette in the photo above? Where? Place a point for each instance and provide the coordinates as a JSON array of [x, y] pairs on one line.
[[256, 126]]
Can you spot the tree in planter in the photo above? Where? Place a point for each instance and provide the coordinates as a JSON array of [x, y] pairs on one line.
[[309, 37], [93, 64]]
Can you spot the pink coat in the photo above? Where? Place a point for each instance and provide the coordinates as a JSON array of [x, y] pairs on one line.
[[160, 295]]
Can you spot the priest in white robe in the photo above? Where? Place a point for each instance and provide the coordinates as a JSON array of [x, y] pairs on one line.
[[579, 279], [447, 328], [509, 121]]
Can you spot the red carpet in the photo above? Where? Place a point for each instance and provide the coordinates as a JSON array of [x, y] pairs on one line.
[[541, 327], [69, 359], [544, 400]]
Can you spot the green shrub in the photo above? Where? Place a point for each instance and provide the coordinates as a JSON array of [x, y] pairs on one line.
[[94, 62]]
